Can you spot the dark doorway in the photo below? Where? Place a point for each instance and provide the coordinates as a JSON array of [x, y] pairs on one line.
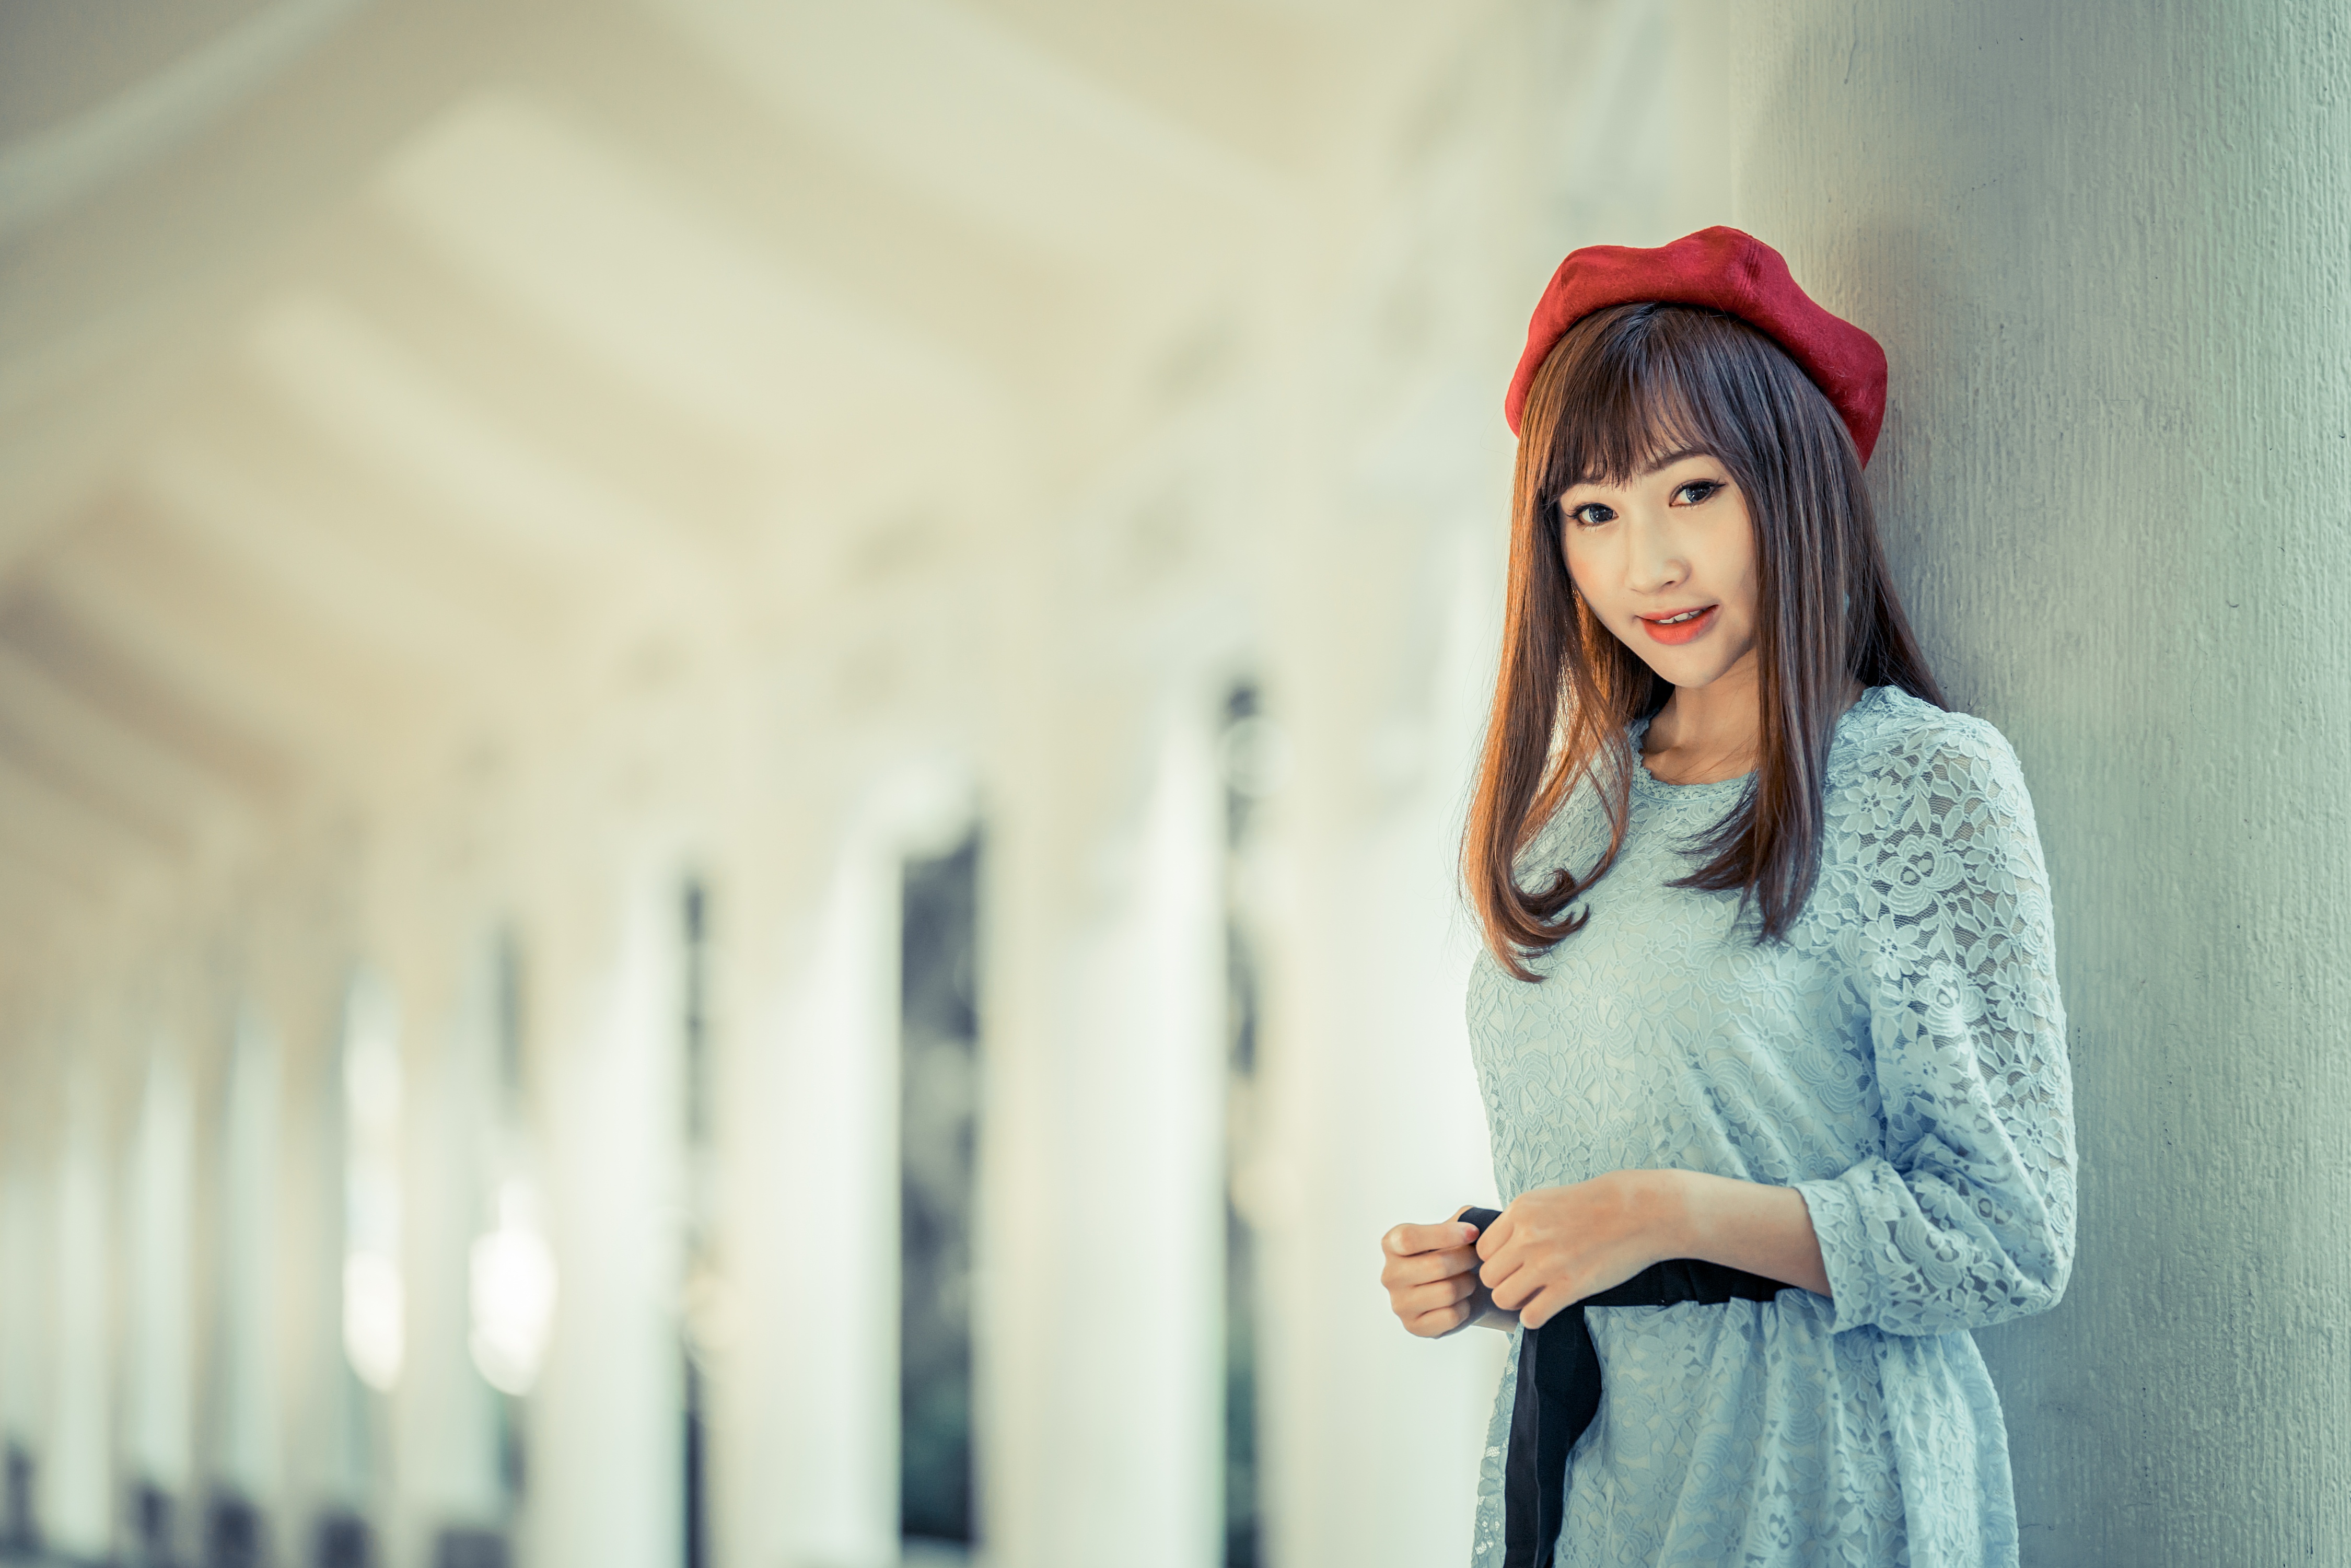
[[235, 1536], [344, 1540], [1246, 750], [155, 1533], [939, 1045], [699, 1144], [20, 1533]]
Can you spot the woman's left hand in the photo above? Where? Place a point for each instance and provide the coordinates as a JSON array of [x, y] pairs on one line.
[[1556, 1245]]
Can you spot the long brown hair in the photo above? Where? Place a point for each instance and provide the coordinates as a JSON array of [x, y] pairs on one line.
[[1625, 386]]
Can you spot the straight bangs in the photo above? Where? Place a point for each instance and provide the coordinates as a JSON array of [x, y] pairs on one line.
[[1626, 389], [1655, 382], [1628, 403]]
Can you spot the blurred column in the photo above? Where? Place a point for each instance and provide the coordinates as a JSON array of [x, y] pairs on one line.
[[325, 1477], [606, 1480], [79, 1493], [248, 1457], [367, 1255], [820, 1259], [452, 1473], [1102, 1278], [28, 1212], [159, 1368], [839, 1482], [418, 978], [1395, 461], [1370, 1107]]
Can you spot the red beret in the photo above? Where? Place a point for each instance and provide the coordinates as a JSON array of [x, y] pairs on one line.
[[1732, 272]]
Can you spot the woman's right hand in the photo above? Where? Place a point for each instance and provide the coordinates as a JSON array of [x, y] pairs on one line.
[[1431, 1275]]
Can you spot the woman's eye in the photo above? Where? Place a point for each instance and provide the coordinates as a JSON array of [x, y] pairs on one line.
[[1590, 515], [1698, 490]]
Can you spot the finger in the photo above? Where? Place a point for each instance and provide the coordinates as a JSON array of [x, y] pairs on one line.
[[1422, 1267], [1546, 1304], [1513, 1288], [1406, 1240], [1441, 1293], [1494, 1271], [1407, 1300], [1445, 1292], [1497, 1236], [1442, 1321]]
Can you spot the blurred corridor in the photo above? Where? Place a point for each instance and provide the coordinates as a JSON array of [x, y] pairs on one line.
[[686, 689], [732, 734]]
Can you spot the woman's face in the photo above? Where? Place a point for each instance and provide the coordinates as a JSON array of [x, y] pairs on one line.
[[1647, 553]]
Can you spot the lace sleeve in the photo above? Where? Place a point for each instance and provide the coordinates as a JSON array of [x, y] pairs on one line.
[[1967, 1217]]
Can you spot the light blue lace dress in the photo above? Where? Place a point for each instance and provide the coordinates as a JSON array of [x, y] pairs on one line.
[[1900, 1061]]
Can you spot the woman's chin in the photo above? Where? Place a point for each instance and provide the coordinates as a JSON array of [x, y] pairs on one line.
[[1693, 668]]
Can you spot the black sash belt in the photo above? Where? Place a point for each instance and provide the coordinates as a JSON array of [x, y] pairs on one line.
[[1559, 1389]]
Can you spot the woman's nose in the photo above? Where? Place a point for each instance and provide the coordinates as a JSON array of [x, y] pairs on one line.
[[1656, 563]]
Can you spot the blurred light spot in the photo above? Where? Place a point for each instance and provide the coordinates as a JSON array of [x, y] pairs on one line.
[[375, 1322], [513, 1294]]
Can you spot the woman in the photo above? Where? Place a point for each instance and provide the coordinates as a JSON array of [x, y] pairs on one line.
[[1768, 1025]]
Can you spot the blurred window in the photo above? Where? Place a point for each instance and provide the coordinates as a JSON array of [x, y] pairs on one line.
[[235, 1536], [939, 1131], [344, 1540], [19, 1532], [700, 1263], [1250, 757]]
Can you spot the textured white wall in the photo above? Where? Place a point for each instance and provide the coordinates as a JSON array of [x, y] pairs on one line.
[[2106, 248]]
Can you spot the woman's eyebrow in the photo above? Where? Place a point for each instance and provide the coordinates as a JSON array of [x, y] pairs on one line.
[[1670, 458], [1658, 466]]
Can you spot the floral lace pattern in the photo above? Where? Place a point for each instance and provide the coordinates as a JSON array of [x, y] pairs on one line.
[[1900, 1060]]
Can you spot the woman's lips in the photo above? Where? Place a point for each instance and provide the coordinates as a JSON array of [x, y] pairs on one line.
[[1683, 630]]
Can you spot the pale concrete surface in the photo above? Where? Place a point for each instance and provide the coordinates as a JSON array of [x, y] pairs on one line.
[[2108, 250]]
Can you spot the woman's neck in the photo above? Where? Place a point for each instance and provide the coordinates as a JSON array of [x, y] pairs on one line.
[[1708, 732]]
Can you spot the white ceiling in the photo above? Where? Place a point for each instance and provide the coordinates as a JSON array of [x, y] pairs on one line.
[[367, 370]]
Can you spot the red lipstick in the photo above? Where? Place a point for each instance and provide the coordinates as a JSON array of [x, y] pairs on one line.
[[1680, 631]]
